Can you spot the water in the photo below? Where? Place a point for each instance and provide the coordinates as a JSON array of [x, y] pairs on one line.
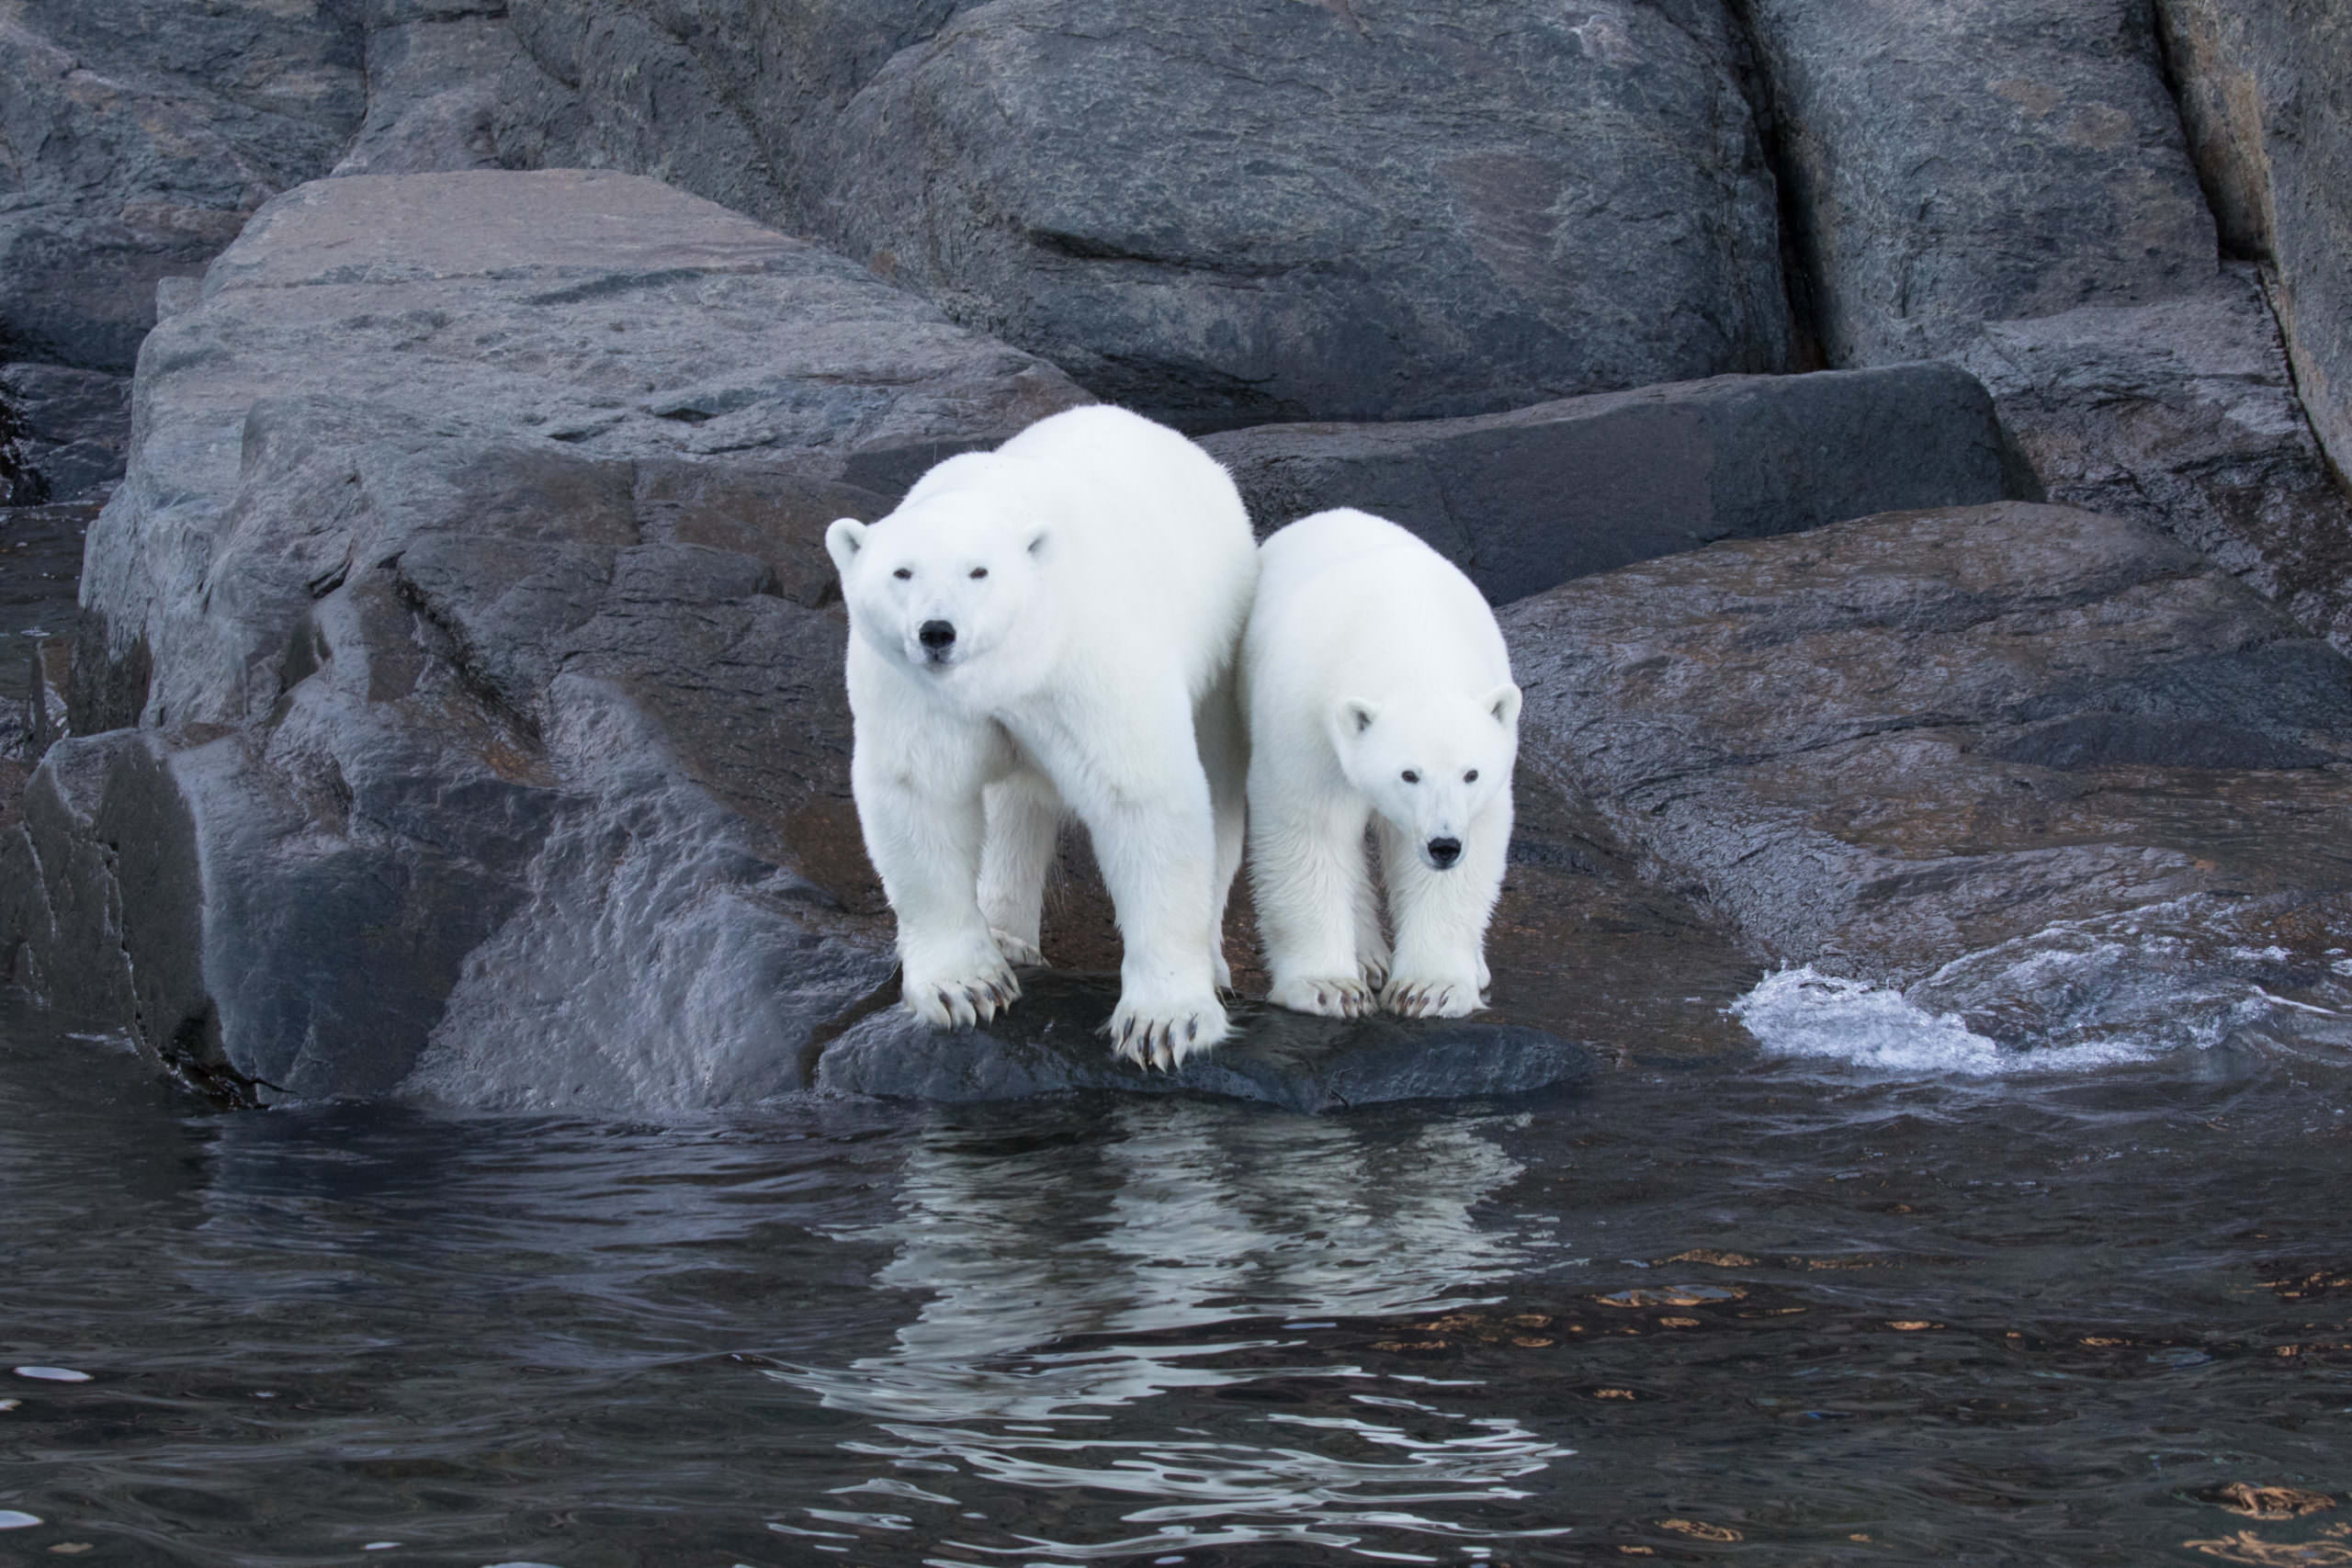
[[1775, 1307]]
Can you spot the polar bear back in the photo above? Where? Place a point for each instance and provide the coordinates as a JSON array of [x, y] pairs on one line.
[[1348, 604], [1150, 539]]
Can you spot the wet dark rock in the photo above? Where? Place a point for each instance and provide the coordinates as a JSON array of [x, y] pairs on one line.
[[1050, 1043], [1889, 743], [2183, 414], [73, 431], [494, 708], [2266, 94], [143, 133], [1233, 213], [1525, 499]]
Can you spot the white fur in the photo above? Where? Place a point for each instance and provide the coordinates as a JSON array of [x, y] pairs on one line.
[[1092, 672], [1367, 657]]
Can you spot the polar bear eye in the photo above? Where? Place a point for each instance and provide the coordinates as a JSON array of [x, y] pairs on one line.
[[1470, 777], [980, 571], [1411, 777], [903, 573]]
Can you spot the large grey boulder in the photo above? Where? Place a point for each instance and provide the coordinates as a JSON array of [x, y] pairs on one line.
[[1957, 162], [1254, 210], [1887, 746], [1524, 499], [1227, 213], [143, 133], [468, 589], [2266, 92]]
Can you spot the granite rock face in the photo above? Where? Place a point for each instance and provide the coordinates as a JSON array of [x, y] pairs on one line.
[[435, 70], [1958, 161], [1889, 744], [1525, 499], [143, 133], [1238, 211], [1228, 213], [2183, 415], [2266, 94], [468, 589]]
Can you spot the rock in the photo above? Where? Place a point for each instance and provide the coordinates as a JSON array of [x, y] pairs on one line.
[[1250, 210], [433, 73], [2266, 94], [557, 307], [2183, 414], [143, 134], [75, 430], [1049, 1044], [468, 582], [1888, 744], [1960, 163], [1525, 499]]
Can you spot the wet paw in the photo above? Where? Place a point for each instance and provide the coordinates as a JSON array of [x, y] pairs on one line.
[[1163, 1037], [1328, 996], [1431, 996]]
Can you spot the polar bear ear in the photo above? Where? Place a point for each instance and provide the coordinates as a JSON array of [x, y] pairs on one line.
[[1353, 717], [842, 541], [1503, 703]]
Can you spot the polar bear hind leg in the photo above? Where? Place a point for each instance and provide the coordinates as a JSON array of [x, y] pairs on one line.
[[1023, 813]]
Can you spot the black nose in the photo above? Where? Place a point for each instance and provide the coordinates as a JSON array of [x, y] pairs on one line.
[[936, 635], [1444, 852]]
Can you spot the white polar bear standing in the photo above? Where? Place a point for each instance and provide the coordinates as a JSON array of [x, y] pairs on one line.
[[1044, 629], [1377, 688]]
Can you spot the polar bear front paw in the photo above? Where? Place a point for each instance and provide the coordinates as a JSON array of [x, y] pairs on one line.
[[1020, 953], [964, 989], [1431, 996], [1329, 995], [1163, 1036]]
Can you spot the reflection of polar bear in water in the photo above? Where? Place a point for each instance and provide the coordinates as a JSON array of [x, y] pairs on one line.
[[1050, 627], [1183, 1217]]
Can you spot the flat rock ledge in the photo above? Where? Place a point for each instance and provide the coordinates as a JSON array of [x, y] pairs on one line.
[[1050, 1045]]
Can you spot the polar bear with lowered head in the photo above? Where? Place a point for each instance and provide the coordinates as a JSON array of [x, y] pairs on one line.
[[1044, 630], [1377, 688]]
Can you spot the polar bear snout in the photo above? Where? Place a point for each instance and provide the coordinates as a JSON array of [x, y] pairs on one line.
[[1443, 852], [938, 640]]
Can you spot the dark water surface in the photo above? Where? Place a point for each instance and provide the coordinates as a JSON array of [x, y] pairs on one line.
[[1738, 1310]]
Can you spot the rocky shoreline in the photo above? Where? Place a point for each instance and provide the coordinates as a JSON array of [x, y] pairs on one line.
[[1902, 569]]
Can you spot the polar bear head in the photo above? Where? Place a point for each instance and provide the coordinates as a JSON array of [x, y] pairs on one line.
[[1430, 762], [953, 586]]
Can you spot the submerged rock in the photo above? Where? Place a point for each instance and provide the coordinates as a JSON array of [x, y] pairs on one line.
[[1524, 499], [1050, 1043]]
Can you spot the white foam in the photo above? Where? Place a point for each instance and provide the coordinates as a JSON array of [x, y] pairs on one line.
[[1802, 1013]]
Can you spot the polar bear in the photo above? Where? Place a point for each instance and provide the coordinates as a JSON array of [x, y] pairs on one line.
[[1046, 629], [1377, 688]]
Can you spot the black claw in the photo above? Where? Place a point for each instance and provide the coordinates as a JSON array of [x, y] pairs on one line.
[[1192, 1028]]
